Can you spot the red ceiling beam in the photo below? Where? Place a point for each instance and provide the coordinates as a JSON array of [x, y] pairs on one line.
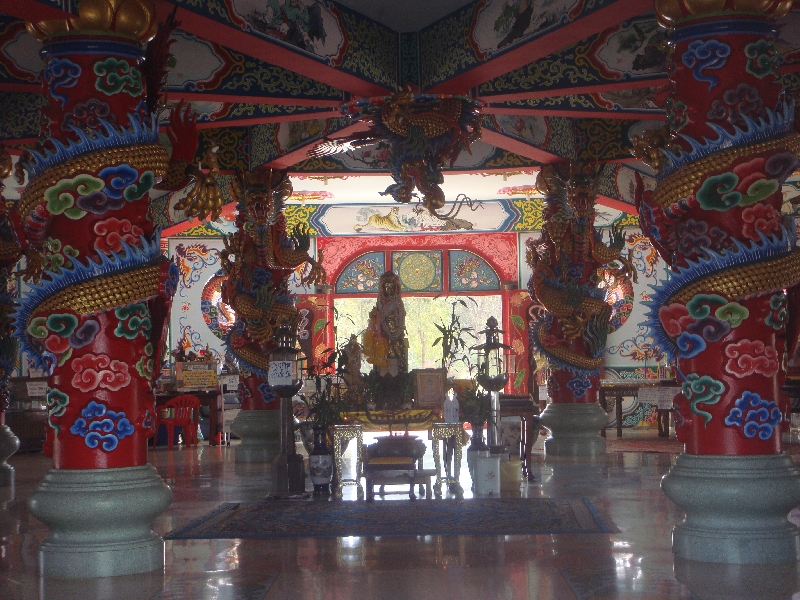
[[224, 123], [574, 91], [296, 156], [213, 97], [616, 204], [521, 148], [263, 49], [575, 31], [576, 114]]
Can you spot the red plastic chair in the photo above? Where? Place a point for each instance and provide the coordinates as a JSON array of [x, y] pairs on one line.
[[183, 411]]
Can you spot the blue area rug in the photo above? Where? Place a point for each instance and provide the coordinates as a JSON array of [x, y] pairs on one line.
[[483, 516]]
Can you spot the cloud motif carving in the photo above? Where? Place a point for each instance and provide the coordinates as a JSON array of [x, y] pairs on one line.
[[755, 416], [748, 357], [93, 371]]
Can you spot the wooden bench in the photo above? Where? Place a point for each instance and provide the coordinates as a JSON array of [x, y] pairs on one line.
[[393, 470]]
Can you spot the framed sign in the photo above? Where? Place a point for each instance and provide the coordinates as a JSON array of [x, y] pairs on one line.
[[429, 388]]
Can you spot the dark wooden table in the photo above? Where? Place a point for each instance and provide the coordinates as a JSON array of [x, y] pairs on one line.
[[209, 398], [523, 407], [619, 388]]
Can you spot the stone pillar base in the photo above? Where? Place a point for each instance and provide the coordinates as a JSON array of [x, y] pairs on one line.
[[9, 443], [574, 429], [100, 521], [736, 508], [259, 431]]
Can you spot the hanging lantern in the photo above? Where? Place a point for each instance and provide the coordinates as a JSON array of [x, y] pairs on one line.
[[495, 363], [286, 363]]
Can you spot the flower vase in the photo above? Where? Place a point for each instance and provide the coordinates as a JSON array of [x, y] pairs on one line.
[[477, 447], [320, 464]]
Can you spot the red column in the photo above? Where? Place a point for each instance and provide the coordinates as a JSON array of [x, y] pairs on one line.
[[565, 262], [95, 318], [715, 219]]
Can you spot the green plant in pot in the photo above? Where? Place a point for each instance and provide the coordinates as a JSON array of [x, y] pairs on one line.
[[453, 341], [324, 409], [474, 404]]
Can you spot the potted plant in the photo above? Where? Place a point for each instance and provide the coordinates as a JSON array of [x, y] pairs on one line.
[[453, 343], [474, 404], [323, 410]]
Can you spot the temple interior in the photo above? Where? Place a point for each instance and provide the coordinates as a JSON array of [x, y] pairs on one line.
[[352, 299]]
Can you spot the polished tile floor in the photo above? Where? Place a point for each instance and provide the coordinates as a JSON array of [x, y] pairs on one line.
[[635, 563]]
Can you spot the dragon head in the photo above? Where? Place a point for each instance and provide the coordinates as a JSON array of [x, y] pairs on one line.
[[261, 196]]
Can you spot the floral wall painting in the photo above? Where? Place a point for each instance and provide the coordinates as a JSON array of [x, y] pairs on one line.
[[22, 50], [294, 134], [361, 276], [419, 271], [195, 62], [312, 26], [376, 157], [469, 272], [499, 24], [637, 47], [193, 323], [532, 129], [219, 317]]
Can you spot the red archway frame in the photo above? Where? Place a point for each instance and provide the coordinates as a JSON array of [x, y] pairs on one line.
[[499, 250]]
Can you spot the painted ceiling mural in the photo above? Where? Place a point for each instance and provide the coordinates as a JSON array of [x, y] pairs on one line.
[[559, 81]]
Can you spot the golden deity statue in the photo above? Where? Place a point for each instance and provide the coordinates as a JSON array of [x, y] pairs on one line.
[[385, 342]]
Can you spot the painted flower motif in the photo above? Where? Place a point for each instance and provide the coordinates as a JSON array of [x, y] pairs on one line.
[[694, 239], [702, 389], [579, 385], [56, 344], [755, 416], [113, 232], [748, 357], [267, 395], [778, 315], [760, 219], [710, 329], [93, 371], [57, 402], [85, 334], [549, 341], [689, 345], [117, 178], [674, 318], [101, 427]]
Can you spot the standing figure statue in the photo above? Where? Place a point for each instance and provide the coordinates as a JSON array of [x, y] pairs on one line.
[[392, 317]]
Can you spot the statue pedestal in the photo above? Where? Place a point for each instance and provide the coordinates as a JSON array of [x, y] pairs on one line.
[[574, 429], [736, 508], [100, 521], [259, 431]]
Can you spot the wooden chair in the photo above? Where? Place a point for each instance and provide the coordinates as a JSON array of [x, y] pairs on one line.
[[184, 408]]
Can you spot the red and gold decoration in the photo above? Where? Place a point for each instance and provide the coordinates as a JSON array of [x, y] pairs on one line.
[[258, 260], [424, 132], [715, 219], [95, 317], [568, 262]]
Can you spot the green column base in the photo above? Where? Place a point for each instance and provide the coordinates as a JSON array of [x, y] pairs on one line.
[[574, 429], [259, 431], [736, 508], [100, 521]]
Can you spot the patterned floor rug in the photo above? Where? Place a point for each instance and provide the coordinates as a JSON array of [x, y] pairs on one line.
[[483, 516]]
